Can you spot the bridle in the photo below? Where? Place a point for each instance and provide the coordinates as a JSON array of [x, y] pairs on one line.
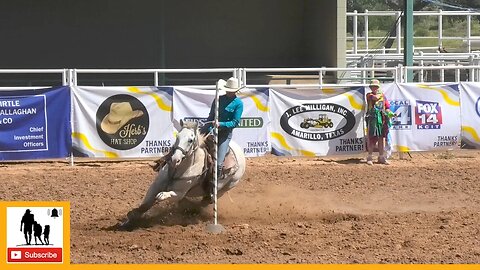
[[194, 145]]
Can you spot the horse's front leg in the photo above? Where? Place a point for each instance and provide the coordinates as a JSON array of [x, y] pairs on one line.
[[159, 184], [179, 189], [162, 196]]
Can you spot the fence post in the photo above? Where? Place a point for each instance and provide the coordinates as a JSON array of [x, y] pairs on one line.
[[74, 76], [440, 28], [442, 71], [469, 33], [364, 72], [384, 51], [244, 76], [477, 63], [71, 82], [155, 78], [421, 79], [366, 30], [372, 71], [457, 72], [320, 77], [65, 77], [400, 73], [355, 32]]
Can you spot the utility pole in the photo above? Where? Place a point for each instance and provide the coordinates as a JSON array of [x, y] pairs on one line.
[[408, 39]]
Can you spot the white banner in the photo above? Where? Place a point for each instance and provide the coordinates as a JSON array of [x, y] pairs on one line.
[[428, 116], [470, 97], [313, 122], [118, 122], [251, 135]]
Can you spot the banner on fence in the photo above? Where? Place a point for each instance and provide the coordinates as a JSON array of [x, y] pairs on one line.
[[117, 122], [35, 123], [470, 111], [252, 133], [312, 122], [428, 116]]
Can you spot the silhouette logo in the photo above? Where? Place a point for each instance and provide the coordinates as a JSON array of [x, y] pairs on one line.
[[34, 235]]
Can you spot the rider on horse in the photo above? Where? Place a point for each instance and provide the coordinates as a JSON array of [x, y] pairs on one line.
[[230, 111]]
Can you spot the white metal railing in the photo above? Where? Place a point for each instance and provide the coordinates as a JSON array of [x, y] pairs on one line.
[[468, 38], [394, 74], [64, 73], [154, 72], [419, 59], [366, 73], [322, 77]]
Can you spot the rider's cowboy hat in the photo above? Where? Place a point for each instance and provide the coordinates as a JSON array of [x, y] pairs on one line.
[[120, 113], [374, 82], [232, 85]]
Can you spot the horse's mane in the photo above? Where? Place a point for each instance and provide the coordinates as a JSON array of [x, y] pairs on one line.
[[201, 140]]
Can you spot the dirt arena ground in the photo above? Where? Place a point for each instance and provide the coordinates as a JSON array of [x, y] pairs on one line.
[[423, 209]]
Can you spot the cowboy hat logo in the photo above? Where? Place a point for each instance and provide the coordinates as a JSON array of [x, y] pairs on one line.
[[120, 113]]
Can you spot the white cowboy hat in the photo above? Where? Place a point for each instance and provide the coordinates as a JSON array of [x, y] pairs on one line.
[[374, 83], [232, 85], [120, 113]]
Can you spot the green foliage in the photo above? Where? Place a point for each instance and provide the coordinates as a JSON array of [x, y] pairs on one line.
[[361, 5]]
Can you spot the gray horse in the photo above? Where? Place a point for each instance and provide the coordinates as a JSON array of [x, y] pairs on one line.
[[184, 174]]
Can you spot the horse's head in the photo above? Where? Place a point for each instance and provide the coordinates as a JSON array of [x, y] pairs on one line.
[[188, 140]]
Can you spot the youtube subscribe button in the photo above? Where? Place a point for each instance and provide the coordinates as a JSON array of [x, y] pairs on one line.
[[22, 255]]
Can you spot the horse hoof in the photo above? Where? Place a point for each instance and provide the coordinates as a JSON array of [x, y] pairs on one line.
[[126, 225], [134, 214]]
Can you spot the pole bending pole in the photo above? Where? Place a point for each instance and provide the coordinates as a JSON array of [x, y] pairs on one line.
[[215, 227]]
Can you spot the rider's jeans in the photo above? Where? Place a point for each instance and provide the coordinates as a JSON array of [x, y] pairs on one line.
[[224, 139]]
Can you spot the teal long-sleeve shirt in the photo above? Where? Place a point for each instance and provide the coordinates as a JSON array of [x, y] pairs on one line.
[[230, 111]]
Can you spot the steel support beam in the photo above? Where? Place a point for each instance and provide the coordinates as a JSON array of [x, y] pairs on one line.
[[408, 39]]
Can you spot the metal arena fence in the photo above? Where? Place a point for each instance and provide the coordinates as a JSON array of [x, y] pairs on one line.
[[290, 77]]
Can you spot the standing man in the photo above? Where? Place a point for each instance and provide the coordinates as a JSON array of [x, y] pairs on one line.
[[378, 114], [27, 223], [230, 111]]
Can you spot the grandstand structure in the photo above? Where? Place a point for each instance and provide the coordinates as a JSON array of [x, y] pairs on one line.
[[269, 42]]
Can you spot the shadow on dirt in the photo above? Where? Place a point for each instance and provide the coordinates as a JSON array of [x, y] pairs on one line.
[[344, 161], [184, 213]]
